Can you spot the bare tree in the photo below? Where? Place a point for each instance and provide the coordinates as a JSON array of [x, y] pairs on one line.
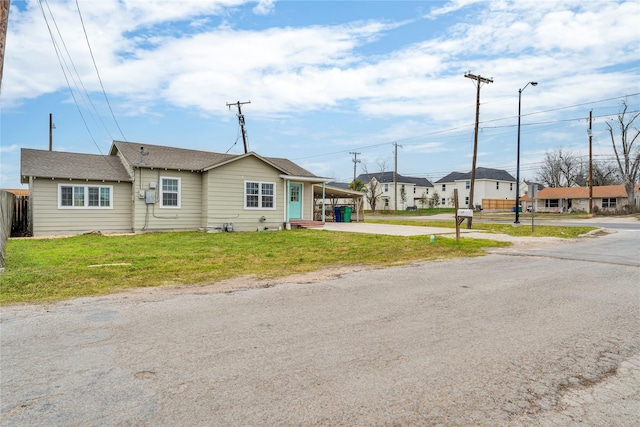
[[560, 169], [374, 187], [605, 173], [626, 151]]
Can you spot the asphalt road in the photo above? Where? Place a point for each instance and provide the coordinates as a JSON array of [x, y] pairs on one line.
[[539, 336]]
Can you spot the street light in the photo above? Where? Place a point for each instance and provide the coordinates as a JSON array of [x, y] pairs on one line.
[[517, 221]]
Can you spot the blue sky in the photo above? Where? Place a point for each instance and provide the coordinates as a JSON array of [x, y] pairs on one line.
[[324, 78]]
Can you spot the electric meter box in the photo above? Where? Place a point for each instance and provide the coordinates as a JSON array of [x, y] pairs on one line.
[[150, 197]]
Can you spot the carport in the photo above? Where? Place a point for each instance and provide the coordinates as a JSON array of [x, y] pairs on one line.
[[328, 196]]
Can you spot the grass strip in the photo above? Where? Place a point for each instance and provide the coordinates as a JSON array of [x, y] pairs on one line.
[[38, 270], [523, 230]]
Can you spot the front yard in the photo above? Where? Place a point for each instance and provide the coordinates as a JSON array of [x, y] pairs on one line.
[[38, 270]]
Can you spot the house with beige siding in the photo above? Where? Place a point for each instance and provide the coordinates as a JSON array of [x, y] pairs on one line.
[[568, 199], [145, 188]]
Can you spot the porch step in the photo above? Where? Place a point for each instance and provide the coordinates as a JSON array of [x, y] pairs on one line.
[[305, 223]]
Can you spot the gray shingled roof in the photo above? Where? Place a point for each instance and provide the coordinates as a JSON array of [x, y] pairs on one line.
[[481, 173], [55, 164], [159, 156], [387, 177], [289, 167]]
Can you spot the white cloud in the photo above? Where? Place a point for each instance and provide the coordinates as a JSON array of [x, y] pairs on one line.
[[264, 7], [145, 58], [9, 149]]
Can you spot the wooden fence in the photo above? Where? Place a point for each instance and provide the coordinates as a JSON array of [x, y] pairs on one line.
[[20, 223], [498, 204], [7, 201]]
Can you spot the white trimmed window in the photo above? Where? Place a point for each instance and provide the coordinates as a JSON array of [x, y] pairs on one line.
[[259, 195], [169, 192], [85, 196]]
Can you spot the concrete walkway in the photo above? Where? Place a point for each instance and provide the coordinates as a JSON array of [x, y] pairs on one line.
[[390, 229]]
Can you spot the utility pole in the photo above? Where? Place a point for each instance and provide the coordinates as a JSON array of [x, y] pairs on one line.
[[52, 126], [395, 177], [355, 162], [4, 22], [479, 80], [241, 120], [590, 165]]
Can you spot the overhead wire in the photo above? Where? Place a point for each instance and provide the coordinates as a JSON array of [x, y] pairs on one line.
[[86, 99], [61, 61], [62, 64], [95, 66]]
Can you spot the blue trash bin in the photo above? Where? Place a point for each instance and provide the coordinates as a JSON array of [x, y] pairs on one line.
[[336, 214]]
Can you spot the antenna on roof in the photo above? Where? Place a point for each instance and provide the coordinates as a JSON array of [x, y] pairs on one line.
[[142, 154]]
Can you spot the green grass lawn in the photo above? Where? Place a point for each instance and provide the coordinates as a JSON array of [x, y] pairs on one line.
[[417, 212], [54, 269], [523, 230]]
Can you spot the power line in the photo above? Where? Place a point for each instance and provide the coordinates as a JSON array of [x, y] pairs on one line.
[[409, 140], [60, 61], [97, 72], [90, 106]]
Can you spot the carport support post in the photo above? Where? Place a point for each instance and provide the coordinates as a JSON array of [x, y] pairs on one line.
[[286, 200], [323, 202]]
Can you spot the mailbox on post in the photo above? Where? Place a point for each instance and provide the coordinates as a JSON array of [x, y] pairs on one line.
[[461, 215]]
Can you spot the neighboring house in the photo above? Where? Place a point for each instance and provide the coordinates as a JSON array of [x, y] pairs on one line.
[[141, 188], [490, 185], [414, 190], [563, 199]]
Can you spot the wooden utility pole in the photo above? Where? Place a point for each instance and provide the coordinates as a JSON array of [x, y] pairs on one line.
[[395, 177], [241, 120], [355, 162], [4, 22], [590, 165], [479, 80]]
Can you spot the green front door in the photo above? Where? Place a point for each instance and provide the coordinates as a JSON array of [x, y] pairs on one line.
[[295, 201]]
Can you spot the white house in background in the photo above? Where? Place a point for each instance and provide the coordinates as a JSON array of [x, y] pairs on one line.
[[490, 184], [413, 188]]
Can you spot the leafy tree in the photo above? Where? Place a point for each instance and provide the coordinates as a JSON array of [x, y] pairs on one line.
[[424, 200], [626, 151], [403, 196], [434, 201], [358, 185]]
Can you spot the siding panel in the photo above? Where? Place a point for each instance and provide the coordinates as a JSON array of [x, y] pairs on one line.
[[152, 217], [49, 220], [225, 195]]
